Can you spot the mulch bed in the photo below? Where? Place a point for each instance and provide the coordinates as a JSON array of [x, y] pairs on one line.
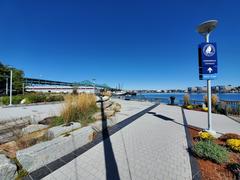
[[210, 170]]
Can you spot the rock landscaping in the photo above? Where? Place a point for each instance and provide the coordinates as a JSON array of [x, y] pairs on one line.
[[60, 130], [7, 168], [43, 153], [32, 143]]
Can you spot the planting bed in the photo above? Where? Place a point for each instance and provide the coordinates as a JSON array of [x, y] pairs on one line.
[[210, 170]]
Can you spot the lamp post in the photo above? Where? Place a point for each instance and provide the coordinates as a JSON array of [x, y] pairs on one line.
[[6, 86], [10, 103], [205, 29], [94, 82]]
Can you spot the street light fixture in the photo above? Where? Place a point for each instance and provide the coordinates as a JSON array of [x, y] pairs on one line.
[[94, 82], [205, 29], [11, 75]]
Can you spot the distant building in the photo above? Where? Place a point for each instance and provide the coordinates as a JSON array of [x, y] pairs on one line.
[[59, 89], [224, 89], [192, 89]]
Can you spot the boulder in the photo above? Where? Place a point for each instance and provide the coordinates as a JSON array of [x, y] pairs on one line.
[[59, 130], [109, 113], [116, 107], [36, 156], [7, 169], [105, 98], [106, 104], [33, 127], [9, 149], [98, 99], [97, 116], [98, 125]]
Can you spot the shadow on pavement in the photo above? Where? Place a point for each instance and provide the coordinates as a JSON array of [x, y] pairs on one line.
[[172, 120], [110, 161]]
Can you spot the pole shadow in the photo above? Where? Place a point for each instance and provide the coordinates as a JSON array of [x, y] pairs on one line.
[[110, 161]]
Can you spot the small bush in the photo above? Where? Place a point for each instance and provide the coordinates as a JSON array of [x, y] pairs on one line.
[[53, 98], [234, 144], [205, 109], [210, 151], [186, 100], [17, 99], [4, 100], [227, 136], [214, 100], [57, 121], [205, 135], [190, 107], [36, 97], [235, 168]]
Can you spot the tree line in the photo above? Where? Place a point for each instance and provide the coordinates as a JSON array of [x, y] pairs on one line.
[[18, 79]]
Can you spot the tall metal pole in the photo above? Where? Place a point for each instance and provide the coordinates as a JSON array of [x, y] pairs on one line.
[[23, 88], [6, 86], [10, 88], [209, 95], [94, 81]]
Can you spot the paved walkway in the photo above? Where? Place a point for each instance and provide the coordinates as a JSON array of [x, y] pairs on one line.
[[39, 111], [221, 123], [152, 147]]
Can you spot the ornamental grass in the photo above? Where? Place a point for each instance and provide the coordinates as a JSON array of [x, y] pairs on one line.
[[79, 108]]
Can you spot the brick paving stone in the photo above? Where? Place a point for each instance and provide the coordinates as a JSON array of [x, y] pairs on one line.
[[152, 147]]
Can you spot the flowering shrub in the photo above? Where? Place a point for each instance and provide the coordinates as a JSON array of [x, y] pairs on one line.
[[227, 136], [189, 107], [234, 144], [205, 109], [186, 100], [205, 135]]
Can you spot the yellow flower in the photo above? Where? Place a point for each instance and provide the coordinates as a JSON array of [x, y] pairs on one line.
[[205, 109], [205, 135], [234, 144], [189, 107]]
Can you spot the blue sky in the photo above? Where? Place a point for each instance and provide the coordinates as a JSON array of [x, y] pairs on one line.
[[139, 44]]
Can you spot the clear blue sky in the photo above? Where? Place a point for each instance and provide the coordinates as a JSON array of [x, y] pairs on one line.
[[140, 44]]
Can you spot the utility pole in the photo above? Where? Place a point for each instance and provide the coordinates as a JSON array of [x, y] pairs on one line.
[[6, 86], [10, 103]]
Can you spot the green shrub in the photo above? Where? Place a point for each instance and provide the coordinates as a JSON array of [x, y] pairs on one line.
[[17, 99], [36, 98], [52, 98], [57, 121], [235, 168], [4, 100], [211, 151]]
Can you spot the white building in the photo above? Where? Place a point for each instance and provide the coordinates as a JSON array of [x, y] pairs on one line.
[[59, 89]]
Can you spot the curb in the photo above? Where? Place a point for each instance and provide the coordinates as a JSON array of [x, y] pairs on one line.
[[196, 173]]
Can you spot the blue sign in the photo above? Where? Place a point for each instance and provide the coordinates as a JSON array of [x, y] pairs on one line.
[[207, 53]]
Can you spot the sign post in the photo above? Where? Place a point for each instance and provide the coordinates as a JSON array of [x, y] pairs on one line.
[[207, 54]]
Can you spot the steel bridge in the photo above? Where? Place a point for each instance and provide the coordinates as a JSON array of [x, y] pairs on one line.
[[34, 81]]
